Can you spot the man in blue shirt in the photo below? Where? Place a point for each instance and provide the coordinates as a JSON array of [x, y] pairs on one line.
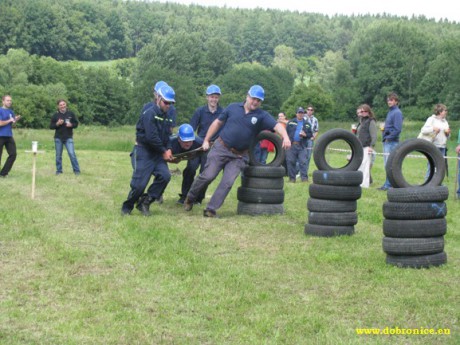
[[243, 122], [392, 131], [201, 120], [299, 131], [151, 153], [7, 119]]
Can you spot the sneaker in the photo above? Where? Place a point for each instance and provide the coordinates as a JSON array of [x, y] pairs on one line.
[[209, 214], [58, 173], [188, 204]]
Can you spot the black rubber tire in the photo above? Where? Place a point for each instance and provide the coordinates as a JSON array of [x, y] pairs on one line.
[[435, 158], [262, 183], [338, 178], [319, 191], [319, 205], [260, 196], [418, 194], [413, 246], [414, 210], [414, 228], [259, 209], [333, 218], [357, 152], [266, 171], [279, 151], [417, 261], [328, 231]]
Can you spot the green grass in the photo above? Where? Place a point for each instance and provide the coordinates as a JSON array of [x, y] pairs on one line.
[[73, 271]]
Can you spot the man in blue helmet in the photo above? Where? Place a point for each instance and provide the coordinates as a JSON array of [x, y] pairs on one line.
[[151, 153], [201, 120], [172, 110], [185, 141], [243, 122]]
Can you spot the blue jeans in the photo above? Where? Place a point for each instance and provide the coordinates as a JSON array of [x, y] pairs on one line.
[[388, 147], [297, 154], [68, 143]]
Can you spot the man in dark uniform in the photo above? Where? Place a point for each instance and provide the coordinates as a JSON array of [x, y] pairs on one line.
[[243, 122], [201, 120], [172, 113], [299, 131], [151, 153]]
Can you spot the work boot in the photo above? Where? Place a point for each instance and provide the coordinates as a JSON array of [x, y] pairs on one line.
[[188, 204], [144, 206]]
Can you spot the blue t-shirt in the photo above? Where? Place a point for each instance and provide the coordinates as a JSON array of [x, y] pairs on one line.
[[5, 115], [240, 128], [202, 119]]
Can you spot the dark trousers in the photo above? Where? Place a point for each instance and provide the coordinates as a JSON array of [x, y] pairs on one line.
[[189, 173], [145, 165], [10, 145]]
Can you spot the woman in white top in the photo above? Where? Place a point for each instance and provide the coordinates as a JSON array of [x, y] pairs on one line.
[[437, 127]]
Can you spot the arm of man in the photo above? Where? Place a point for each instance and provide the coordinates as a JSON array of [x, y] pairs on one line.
[[279, 128], [215, 126]]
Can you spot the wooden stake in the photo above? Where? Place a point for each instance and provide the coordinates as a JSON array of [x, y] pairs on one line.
[[33, 175]]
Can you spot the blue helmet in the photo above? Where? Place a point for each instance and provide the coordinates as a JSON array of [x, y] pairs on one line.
[[158, 85], [167, 93], [213, 89], [257, 91], [186, 132]]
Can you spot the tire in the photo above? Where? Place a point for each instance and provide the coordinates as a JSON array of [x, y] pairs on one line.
[[435, 158], [418, 194], [259, 209], [417, 261], [338, 178], [414, 211], [332, 218], [319, 205], [324, 192], [260, 196], [279, 151], [413, 246], [328, 231], [262, 183], [414, 228], [357, 152], [263, 171]]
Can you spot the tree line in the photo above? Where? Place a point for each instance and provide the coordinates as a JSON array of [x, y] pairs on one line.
[[334, 62]]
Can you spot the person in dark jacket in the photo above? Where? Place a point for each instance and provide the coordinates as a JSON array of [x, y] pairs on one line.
[[299, 131], [391, 131], [366, 131], [7, 119], [63, 122], [151, 154]]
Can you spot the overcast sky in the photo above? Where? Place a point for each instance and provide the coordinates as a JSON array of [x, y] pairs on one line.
[[438, 9]]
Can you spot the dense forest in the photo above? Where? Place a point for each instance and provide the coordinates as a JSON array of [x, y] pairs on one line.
[[334, 63]]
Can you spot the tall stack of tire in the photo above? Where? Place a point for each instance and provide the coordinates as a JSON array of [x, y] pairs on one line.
[[414, 216], [261, 191], [334, 192]]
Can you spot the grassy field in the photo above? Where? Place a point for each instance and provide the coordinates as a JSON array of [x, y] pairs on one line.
[[73, 271]]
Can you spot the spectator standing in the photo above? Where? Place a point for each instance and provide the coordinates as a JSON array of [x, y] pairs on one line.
[[151, 154], [300, 132], [7, 119], [366, 132], [63, 122], [201, 120], [457, 149], [314, 125], [391, 131], [243, 122]]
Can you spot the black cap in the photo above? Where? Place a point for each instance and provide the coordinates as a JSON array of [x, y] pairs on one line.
[[300, 110]]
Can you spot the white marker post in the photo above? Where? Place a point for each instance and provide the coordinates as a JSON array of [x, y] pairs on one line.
[[34, 169]]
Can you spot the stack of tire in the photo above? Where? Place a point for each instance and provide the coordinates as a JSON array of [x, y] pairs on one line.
[[334, 191], [261, 191], [414, 216]]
